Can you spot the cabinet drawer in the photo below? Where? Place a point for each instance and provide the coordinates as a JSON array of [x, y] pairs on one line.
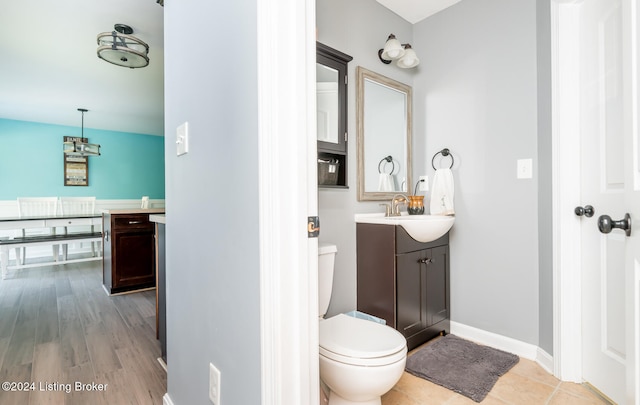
[[132, 222]]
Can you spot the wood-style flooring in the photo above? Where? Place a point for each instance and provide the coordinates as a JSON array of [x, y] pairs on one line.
[[59, 329]]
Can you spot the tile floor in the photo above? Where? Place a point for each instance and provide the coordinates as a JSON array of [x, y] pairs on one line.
[[526, 383]]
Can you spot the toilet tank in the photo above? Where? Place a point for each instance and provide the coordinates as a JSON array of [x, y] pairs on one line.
[[326, 259]]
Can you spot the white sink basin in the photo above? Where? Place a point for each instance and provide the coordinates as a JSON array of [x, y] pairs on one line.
[[423, 228]]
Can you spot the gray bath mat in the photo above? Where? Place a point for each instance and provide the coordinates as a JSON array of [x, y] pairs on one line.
[[461, 366]]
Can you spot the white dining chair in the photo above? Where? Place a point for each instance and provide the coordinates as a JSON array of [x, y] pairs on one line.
[[76, 206], [36, 207]]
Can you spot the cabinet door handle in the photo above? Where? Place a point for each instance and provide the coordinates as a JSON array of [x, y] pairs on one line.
[[426, 260], [134, 222]]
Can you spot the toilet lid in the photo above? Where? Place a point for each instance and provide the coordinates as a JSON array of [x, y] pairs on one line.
[[343, 336]]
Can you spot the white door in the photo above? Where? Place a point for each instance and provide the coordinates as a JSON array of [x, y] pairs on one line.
[[611, 185]]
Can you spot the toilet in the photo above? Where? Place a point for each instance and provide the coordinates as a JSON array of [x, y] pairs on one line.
[[360, 360]]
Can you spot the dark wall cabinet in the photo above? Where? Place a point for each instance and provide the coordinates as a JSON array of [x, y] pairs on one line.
[[331, 97], [129, 252], [404, 281]]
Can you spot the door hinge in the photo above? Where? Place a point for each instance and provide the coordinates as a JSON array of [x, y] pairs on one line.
[[346, 136], [346, 80], [313, 227]]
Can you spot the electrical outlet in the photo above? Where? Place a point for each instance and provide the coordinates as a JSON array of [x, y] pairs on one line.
[[424, 185], [214, 384]]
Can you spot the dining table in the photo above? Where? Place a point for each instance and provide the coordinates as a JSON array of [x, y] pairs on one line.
[[52, 222]]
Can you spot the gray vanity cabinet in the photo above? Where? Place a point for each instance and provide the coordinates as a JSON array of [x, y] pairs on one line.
[[403, 281]]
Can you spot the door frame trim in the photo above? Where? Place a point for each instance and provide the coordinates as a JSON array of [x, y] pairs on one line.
[[286, 61], [632, 275], [567, 310]]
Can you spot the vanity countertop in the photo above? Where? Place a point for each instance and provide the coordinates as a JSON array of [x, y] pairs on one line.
[[133, 211], [377, 218]]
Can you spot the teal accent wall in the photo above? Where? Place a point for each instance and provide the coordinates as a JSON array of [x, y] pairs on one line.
[[32, 163]]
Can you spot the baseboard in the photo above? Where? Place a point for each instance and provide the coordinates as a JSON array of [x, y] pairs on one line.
[[522, 349], [545, 360], [166, 399]]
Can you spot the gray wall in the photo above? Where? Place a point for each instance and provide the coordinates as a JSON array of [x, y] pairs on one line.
[[545, 223], [476, 95], [358, 28], [475, 92], [213, 296]]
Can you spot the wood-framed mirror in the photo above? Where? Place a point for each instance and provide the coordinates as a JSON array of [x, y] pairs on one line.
[[384, 122]]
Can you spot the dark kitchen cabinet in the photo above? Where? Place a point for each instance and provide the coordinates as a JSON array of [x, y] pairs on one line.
[[403, 281], [129, 252], [161, 290]]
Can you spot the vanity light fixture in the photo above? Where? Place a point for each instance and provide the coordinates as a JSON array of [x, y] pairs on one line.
[[80, 146], [403, 54], [123, 49]]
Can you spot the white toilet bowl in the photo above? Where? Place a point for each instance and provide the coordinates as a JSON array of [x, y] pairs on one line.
[[360, 360]]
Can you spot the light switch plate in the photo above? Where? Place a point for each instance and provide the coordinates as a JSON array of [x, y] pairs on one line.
[[182, 139], [525, 169]]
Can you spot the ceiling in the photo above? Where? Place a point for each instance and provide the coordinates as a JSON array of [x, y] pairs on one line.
[[416, 10], [50, 68]]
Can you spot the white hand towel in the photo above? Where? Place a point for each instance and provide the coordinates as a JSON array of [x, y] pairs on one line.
[[442, 193], [385, 182]]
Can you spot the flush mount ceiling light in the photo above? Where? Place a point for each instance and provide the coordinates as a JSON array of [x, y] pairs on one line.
[[80, 147], [123, 49], [403, 54]]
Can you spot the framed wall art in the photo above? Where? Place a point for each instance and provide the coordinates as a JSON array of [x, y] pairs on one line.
[[76, 168]]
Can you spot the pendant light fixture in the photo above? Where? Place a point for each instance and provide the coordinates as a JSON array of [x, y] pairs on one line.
[[82, 147], [123, 49]]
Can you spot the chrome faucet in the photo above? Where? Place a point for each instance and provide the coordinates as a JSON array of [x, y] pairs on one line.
[[395, 202]]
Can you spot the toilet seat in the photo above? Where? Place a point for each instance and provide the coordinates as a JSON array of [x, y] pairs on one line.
[[357, 341]]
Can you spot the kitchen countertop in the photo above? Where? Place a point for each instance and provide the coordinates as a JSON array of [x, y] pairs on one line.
[[134, 211], [159, 218]]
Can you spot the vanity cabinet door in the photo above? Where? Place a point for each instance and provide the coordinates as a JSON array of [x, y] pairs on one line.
[[437, 291], [422, 298], [411, 300]]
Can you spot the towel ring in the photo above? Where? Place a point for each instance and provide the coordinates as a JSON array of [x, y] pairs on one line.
[[388, 159], [444, 152]]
